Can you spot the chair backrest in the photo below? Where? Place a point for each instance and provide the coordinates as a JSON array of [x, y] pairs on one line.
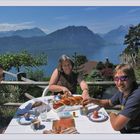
[[45, 91]]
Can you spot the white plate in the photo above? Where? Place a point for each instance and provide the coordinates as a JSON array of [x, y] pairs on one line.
[[72, 108], [64, 114], [101, 117], [60, 109], [23, 121]]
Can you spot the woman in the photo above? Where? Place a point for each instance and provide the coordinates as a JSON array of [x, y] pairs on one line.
[[64, 80]]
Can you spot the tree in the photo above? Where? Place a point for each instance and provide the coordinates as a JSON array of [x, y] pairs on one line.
[[106, 69], [132, 41], [100, 65], [78, 60], [20, 59]]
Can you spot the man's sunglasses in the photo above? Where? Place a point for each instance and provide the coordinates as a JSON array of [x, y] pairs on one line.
[[121, 78]]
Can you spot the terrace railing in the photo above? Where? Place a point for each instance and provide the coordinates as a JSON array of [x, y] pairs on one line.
[[40, 84]]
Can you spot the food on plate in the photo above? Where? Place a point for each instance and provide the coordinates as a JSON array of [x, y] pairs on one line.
[[70, 130], [73, 100], [66, 101], [66, 95], [62, 124], [95, 114], [78, 99], [57, 105]]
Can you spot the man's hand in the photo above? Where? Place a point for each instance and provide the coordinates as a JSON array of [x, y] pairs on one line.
[[87, 101]]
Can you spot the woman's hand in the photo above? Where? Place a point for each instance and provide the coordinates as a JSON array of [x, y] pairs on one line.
[[85, 95], [66, 91]]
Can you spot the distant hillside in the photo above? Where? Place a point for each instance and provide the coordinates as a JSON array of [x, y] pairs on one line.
[[23, 33], [71, 38], [68, 40], [116, 36], [75, 37]]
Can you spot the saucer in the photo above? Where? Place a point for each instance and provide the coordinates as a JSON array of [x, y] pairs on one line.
[[101, 117], [23, 121]]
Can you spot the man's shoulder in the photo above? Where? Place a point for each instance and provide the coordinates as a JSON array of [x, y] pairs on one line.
[[136, 94], [137, 90]]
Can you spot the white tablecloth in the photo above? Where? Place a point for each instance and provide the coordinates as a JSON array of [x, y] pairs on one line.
[[83, 124]]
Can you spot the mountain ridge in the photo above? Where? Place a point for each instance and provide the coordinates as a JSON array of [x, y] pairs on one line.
[[23, 32], [71, 37]]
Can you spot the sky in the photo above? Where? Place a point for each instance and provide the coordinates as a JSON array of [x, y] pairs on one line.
[[99, 19]]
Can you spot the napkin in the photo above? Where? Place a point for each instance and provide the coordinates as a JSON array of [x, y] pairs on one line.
[[26, 109], [70, 130]]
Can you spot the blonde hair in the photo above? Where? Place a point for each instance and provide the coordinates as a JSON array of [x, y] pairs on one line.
[[127, 69]]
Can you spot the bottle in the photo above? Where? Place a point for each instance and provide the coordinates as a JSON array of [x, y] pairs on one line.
[[84, 110]]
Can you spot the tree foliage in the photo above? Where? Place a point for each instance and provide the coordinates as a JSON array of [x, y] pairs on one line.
[[132, 41], [78, 60], [25, 59], [103, 71]]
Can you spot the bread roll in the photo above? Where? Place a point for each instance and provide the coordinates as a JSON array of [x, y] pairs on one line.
[[66, 101], [73, 100], [78, 99]]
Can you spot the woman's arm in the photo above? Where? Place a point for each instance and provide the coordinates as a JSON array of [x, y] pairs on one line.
[[53, 87], [84, 87]]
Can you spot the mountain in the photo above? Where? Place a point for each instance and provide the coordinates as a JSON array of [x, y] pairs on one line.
[[67, 40], [117, 35], [24, 33], [75, 37], [70, 39]]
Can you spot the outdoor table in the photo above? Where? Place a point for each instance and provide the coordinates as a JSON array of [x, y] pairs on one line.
[[82, 123]]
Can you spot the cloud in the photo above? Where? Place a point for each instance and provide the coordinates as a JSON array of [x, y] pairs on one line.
[[45, 29], [132, 11], [60, 18], [15, 26], [91, 8]]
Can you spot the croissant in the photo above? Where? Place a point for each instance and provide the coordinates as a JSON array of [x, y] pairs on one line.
[[73, 100]]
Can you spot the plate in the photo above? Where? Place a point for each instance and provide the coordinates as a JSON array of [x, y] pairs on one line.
[[59, 109], [72, 108], [64, 114], [24, 121], [102, 117]]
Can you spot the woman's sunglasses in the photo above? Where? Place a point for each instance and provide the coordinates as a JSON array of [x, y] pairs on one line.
[[121, 78]]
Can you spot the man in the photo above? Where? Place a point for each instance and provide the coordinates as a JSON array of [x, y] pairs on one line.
[[128, 96]]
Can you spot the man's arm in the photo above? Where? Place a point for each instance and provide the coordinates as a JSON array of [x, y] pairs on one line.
[[118, 121], [103, 102]]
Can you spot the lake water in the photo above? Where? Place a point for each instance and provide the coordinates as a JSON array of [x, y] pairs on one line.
[[110, 52]]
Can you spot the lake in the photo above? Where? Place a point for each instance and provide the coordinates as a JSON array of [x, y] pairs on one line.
[[110, 52]]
